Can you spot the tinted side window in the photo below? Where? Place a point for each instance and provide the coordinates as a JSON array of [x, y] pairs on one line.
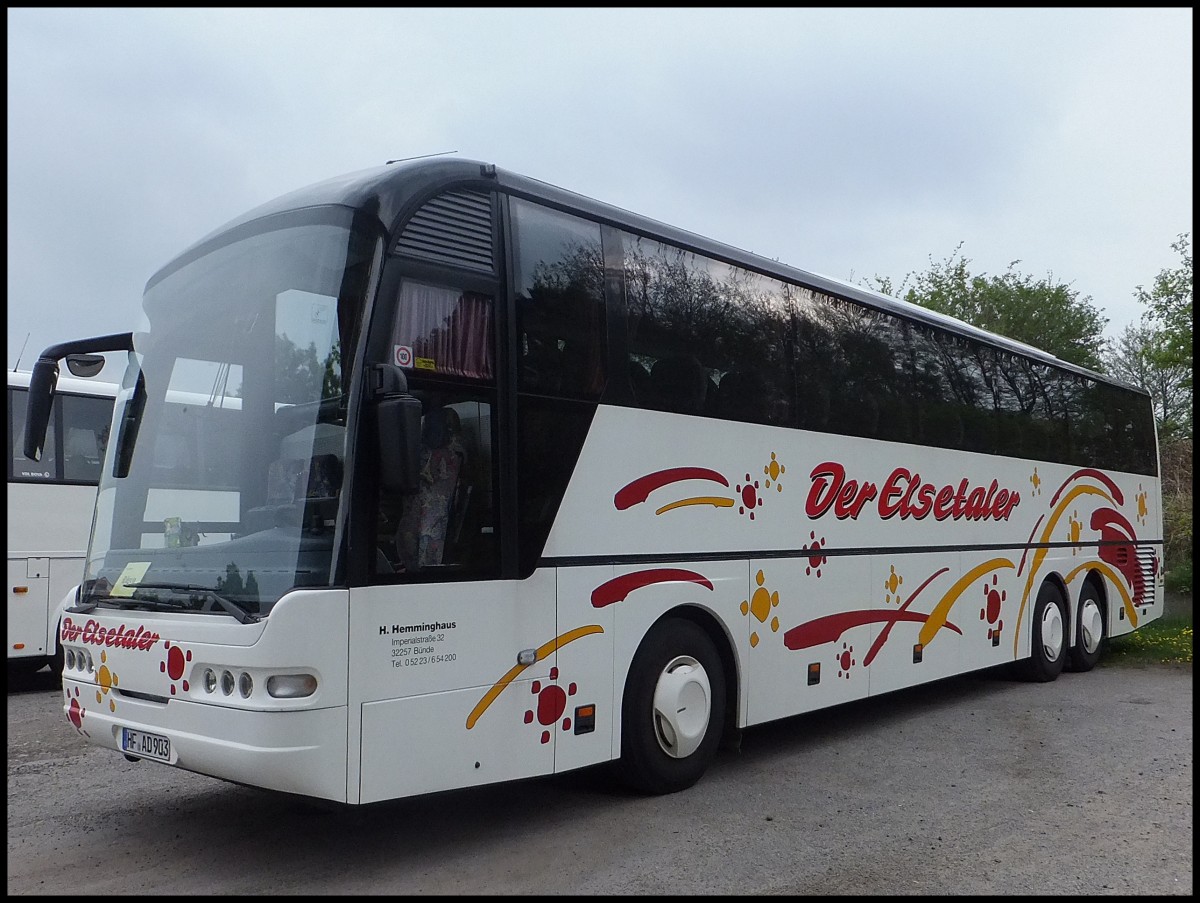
[[709, 338], [85, 436], [705, 337], [559, 276], [21, 468]]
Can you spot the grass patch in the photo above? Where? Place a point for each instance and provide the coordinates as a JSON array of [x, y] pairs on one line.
[[1165, 641]]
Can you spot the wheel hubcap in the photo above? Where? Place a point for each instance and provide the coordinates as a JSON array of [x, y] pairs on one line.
[[1052, 632], [1091, 626], [682, 703]]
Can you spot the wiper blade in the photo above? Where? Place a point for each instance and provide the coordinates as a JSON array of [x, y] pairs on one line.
[[197, 595], [126, 602], [144, 602]]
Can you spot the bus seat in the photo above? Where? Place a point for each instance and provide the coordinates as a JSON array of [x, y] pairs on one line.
[[296, 479], [324, 476], [285, 476], [541, 365], [81, 442], [82, 453], [425, 523], [742, 395], [678, 383], [639, 381]]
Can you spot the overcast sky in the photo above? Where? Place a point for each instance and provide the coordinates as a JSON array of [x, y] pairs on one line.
[[851, 143]]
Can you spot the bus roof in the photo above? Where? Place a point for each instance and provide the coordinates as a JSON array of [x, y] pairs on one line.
[[395, 190]]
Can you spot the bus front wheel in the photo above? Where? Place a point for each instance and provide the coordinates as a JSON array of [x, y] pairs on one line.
[[1049, 652], [1090, 632], [674, 709], [56, 660]]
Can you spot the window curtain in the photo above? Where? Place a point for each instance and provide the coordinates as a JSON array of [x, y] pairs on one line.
[[449, 331]]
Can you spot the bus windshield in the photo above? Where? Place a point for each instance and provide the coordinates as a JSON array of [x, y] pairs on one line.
[[200, 507]]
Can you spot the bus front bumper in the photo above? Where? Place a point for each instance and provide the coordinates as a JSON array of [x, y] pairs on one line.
[[297, 751]]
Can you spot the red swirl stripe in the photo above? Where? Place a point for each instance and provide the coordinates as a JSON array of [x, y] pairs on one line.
[[639, 490], [1098, 476], [831, 627], [618, 588]]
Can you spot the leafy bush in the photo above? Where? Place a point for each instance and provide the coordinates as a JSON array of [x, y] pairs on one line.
[[1177, 514], [1179, 579]]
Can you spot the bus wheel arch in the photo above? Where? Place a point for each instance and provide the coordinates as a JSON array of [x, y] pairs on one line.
[[713, 626], [675, 704], [1049, 634], [1089, 633]]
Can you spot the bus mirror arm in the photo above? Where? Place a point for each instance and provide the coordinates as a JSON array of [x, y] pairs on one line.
[[398, 419], [44, 378]]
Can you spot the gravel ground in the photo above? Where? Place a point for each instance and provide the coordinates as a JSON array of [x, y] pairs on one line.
[[973, 785]]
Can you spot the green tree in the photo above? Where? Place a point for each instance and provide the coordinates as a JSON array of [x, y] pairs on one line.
[[1138, 356], [1177, 514], [331, 384], [298, 373], [1040, 312], [1169, 302]]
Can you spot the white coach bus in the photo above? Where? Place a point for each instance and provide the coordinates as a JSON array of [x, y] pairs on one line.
[[518, 482]]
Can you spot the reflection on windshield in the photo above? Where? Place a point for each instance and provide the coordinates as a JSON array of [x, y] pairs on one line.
[[225, 481]]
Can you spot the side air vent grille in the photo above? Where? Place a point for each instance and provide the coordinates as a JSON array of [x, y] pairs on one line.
[[1147, 565], [453, 228]]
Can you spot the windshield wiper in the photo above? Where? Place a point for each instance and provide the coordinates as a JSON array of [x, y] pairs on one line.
[[197, 595], [85, 606], [144, 602], [127, 602]]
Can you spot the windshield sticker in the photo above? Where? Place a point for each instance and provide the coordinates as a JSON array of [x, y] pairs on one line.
[[402, 355], [133, 573], [425, 363]]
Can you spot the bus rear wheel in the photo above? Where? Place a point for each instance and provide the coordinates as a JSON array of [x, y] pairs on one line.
[[674, 709], [1090, 632], [1048, 654]]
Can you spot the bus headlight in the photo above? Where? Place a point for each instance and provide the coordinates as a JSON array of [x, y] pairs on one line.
[[245, 685], [69, 659], [210, 680], [291, 686], [227, 682]]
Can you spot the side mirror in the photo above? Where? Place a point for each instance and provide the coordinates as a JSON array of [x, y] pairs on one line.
[[37, 414], [399, 421], [85, 365]]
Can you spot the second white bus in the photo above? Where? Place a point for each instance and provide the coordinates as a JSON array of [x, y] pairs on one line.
[[50, 507]]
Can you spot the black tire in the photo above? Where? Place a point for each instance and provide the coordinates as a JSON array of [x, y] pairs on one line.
[[23, 669], [56, 660], [668, 747], [1091, 630], [1049, 652]]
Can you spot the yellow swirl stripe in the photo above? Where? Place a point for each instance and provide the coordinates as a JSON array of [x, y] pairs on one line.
[[542, 651], [937, 617], [1040, 554], [715, 500], [1117, 580]]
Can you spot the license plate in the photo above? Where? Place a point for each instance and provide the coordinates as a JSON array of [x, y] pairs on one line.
[[149, 746]]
